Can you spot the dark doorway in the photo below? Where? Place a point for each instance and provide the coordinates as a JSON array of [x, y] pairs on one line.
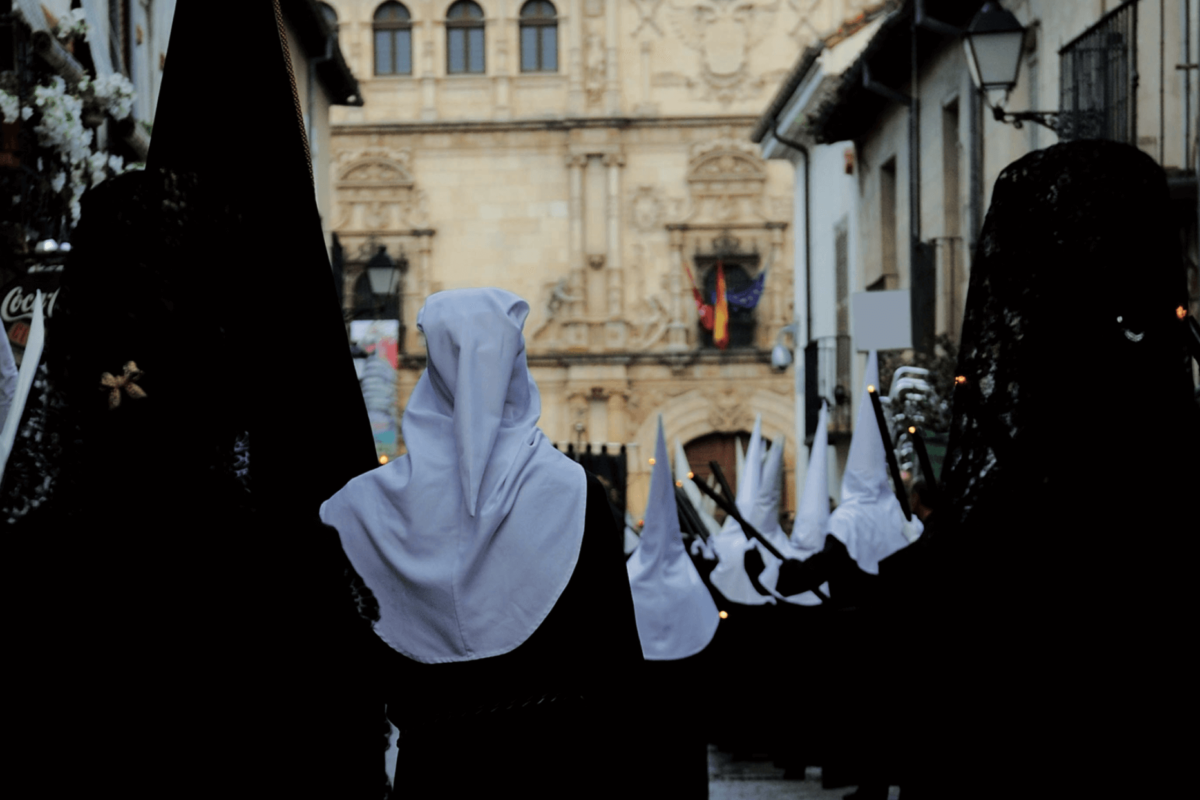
[[717, 447]]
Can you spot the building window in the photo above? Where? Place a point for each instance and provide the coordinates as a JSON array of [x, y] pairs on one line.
[[393, 40], [539, 37], [464, 38], [737, 279]]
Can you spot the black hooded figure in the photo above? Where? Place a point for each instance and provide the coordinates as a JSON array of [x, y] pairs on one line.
[[1050, 636], [180, 620]]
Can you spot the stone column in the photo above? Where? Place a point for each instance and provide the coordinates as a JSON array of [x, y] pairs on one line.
[[500, 29], [576, 332], [615, 334], [677, 329], [612, 87], [428, 82], [573, 47], [617, 423]]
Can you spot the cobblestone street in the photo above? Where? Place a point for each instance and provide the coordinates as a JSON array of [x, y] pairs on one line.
[[759, 779]]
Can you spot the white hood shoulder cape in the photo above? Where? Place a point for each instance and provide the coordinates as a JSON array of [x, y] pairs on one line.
[[869, 520], [731, 544], [467, 541], [676, 615]]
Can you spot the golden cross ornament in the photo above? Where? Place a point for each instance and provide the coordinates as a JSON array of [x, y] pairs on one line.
[[126, 380]]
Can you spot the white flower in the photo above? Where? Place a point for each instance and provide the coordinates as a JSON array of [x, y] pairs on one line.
[[116, 164], [73, 25], [26, 112], [10, 106], [58, 181], [115, 94]]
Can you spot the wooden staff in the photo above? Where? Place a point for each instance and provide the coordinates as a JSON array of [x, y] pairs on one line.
[[688, 512], [731, 509], [890, 453], [923, 456]]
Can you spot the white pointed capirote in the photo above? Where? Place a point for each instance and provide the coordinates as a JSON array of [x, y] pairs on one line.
[[729, 576], [869, 520], [676, 615], [764, 510], [469, 539], [812, 516], [747, 487], [683, 472]]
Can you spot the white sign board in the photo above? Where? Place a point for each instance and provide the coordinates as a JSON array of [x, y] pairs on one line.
[[882, 320]]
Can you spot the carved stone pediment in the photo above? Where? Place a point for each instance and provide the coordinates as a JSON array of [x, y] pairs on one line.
[[375, 190]]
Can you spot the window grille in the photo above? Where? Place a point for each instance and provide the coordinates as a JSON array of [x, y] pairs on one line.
[[464, 38], [539, 37], [393, 40], [1098, 80]]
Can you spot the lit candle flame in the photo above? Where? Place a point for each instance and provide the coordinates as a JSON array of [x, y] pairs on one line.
[[652, 462], [679, 483], [723, 615], [960, 379], [912, 429], [641, 522], [691, 475], [383, 459], [1181, 312], [871, 388]]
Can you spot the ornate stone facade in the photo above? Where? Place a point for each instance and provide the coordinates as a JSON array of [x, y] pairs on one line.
[[592, 191]]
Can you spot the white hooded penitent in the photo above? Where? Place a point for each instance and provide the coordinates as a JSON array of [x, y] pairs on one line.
[[812, 515], [729, 576], [467, 541], [869, 520], [676, 615]]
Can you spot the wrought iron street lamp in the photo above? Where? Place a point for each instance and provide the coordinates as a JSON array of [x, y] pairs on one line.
[[993, 42], [383, 273]]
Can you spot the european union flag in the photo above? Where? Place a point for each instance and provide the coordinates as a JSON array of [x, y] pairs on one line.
[[748, 297]]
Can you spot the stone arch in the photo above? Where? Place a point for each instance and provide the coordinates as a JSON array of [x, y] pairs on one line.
[[699, 412], [375, 173], [725, 171]]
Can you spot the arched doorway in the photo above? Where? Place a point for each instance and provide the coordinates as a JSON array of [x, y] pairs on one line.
[[721, 447]]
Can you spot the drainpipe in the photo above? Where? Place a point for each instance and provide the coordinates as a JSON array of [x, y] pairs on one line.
[[801, 345], [802, 150]]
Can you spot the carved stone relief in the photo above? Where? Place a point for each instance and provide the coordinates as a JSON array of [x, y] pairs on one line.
[[646, 209], [595, 63], [726, 181], [646, 16], [375, 191], [728, 411], [723, 33]]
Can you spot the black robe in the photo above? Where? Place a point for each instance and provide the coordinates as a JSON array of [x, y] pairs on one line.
[[539, 721]]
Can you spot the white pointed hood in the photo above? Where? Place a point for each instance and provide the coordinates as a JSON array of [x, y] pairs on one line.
[[764, 510], [676, 615], [812, 516], [869, 520], [729, 576], [468, 540]]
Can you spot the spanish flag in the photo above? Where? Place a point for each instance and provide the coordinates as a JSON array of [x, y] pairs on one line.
[[721, 311]]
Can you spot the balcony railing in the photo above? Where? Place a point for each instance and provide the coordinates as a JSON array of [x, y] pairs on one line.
[[1099, 79], [827, 377]]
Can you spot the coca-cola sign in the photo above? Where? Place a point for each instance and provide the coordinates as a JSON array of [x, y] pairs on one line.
[[17, 299], [18, 303]]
